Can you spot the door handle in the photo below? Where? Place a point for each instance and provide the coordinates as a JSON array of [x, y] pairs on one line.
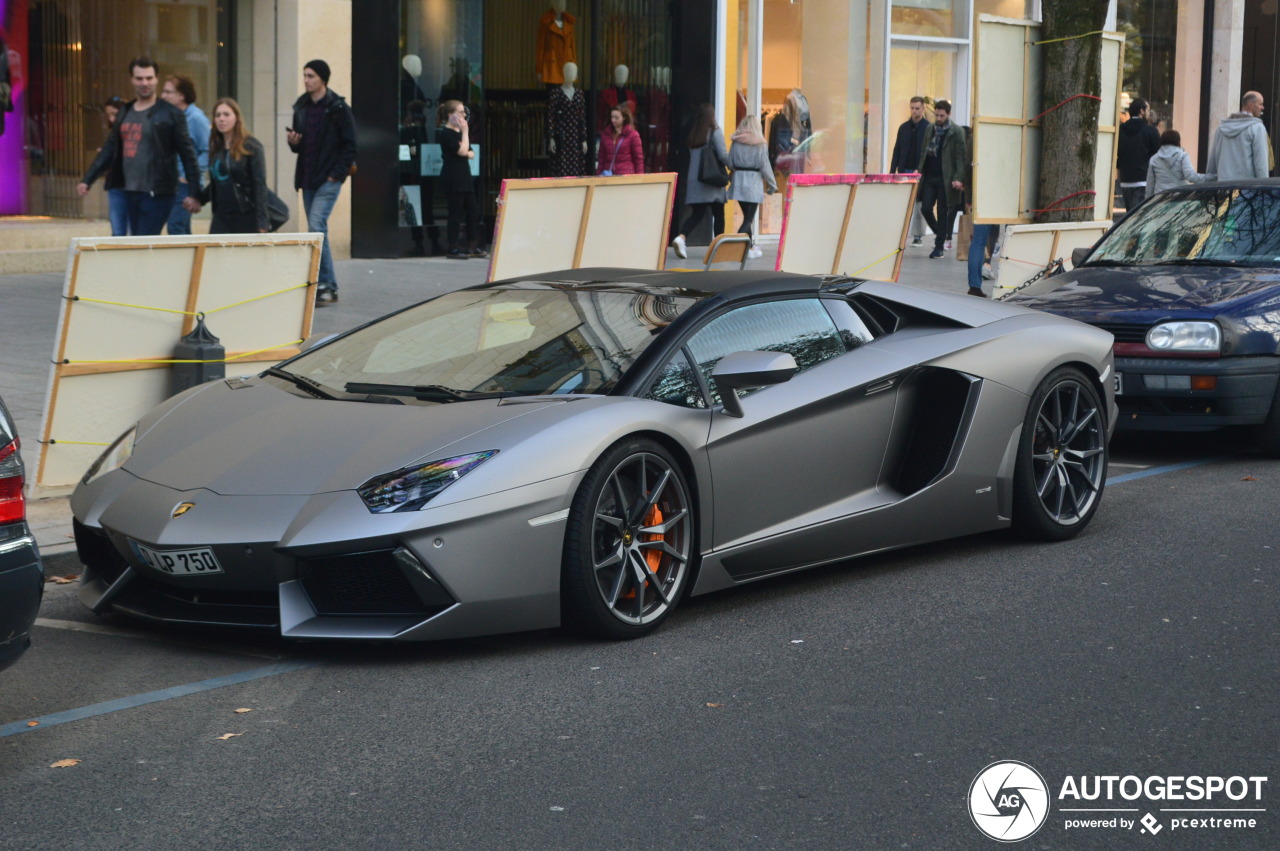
[[881, 385]]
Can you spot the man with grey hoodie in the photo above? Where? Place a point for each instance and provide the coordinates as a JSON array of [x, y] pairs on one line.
[[1240, 150]]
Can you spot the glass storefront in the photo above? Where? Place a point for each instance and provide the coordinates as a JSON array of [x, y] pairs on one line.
[[66, 58]]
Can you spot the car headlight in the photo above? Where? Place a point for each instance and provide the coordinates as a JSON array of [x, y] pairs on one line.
[[114, 457], [1185, 337], [411, 488]]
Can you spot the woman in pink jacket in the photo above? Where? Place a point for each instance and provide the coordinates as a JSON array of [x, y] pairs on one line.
[[620, 151]]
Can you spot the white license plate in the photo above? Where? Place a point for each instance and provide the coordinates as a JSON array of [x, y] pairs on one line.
[[195, 561], [1119, 383]]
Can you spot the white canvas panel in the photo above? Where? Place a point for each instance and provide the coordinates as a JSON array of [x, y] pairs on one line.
[[876, 227], [998, 193], [231, 274], [627, 226], [999, 75], [539, 230], [815, 218], [1104, 169], [1028, 249]]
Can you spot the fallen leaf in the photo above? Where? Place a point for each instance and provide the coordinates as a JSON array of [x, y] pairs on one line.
[[1248, 479], [33, 723], [226, 736], [715, 705], [62, 580], [65, 763], [243, 711]]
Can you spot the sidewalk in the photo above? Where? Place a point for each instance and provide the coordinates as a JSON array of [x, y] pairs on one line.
[[369, 288]]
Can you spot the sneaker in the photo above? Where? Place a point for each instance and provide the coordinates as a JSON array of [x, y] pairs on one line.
[[948, 245], [457, 254], [478, 253], [754, 253], [326, 296], [917, 242], [681, 250], [977, 291], [987, 274], [935, 253]]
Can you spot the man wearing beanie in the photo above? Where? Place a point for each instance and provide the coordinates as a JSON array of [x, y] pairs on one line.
[[323, 136]]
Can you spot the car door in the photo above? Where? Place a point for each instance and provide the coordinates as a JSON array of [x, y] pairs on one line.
[[808, 450]]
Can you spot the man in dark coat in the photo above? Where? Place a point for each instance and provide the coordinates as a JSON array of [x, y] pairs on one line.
[[943, 161], [1138, 142], [906, 157], [141, 154], [323, 136]]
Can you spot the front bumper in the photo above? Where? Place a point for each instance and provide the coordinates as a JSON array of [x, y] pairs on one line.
[[323, 567], [21, 588], [1244, 392]]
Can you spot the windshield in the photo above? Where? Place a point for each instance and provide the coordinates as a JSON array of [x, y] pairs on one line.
[[1205, 226], [478, 343]]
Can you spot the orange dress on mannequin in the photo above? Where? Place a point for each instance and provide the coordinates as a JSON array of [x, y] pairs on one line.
[[555, 46]]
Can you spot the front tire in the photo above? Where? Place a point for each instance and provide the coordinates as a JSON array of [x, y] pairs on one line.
[[629, 545], [1062, 458]]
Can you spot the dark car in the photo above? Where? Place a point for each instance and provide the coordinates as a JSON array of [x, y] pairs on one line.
[[21, 576], [1189, 284]]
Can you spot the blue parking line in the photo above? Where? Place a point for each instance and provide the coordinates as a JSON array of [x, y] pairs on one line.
[[110, 706], [1156, 471]]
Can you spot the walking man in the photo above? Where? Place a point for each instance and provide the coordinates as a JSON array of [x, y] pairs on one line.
[[1138, 143], [323, 136], [906, 157], [181, 92], [142, 152], [1240, 150], [942, 165]]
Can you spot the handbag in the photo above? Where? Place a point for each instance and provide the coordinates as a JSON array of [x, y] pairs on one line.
[[710, 170], [608, 172], [277, 211]]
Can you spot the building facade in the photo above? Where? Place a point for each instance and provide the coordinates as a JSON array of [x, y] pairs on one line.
[[856, 64]]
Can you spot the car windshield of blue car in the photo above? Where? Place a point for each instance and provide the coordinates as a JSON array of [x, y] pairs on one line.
[[1200, 227], [486, 343]]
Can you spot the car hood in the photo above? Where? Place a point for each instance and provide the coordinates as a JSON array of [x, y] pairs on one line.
[[1150, 293], [257, 438]]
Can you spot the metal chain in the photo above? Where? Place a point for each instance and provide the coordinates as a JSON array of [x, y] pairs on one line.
[[1047, 270]]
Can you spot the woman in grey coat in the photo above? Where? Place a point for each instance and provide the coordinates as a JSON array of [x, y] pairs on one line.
[[705, 137], [752, 176], [1171, 166]]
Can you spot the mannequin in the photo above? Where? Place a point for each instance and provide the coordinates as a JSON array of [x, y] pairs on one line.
[[410, 71], [658, 148], [567, 126], [556, 44], [616, 94]]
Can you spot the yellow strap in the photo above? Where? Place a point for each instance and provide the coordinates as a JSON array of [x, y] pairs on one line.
[[51, 441], [186, 312], [1070, 37], [874, 262], [170, 360]]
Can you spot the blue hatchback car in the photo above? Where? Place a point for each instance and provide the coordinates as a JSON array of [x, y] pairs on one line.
[[1189, 284], [21, 575]]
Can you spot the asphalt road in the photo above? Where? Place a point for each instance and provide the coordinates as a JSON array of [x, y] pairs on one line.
[[848, 707]]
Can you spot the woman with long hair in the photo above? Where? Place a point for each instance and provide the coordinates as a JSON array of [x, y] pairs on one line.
[[117, 205], [791, 128], [752, 175], [705, 140], [454, 137], [620, 151], [237, 184]]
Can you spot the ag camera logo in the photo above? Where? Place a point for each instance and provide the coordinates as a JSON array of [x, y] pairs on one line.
[[1008, 801]]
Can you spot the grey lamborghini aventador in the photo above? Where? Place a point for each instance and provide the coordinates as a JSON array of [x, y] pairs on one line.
[[587, 447]]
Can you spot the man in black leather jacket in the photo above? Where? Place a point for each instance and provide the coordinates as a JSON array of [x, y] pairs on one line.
[[139, 156]]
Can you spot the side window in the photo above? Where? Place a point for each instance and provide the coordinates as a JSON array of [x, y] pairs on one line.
[[801, 327], [678, 385], [853, 330]]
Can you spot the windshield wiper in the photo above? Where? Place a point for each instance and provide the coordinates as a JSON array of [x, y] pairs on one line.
[[1199, 261], [1108, 262], [426, 392], [310, 385]]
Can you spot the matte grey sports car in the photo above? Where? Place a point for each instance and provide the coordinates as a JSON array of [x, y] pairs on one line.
[[586, 447]]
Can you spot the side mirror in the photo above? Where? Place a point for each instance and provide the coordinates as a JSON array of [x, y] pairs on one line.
[[1079, 255], [750, 369]]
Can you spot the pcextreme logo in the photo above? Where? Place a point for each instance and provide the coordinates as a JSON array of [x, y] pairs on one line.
[[1009, 801]]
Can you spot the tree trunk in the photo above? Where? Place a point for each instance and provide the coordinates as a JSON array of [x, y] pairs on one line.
[[1069, 133]]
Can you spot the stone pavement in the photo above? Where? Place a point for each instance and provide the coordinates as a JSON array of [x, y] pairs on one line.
[[369, 288]]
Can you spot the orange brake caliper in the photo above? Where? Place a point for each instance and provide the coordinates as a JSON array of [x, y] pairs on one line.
[[653, 556]]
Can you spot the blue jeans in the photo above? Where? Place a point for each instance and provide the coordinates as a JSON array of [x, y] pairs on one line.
[[179, 218], [978, 253], [147, 212], [118, 212], [319, 203]]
